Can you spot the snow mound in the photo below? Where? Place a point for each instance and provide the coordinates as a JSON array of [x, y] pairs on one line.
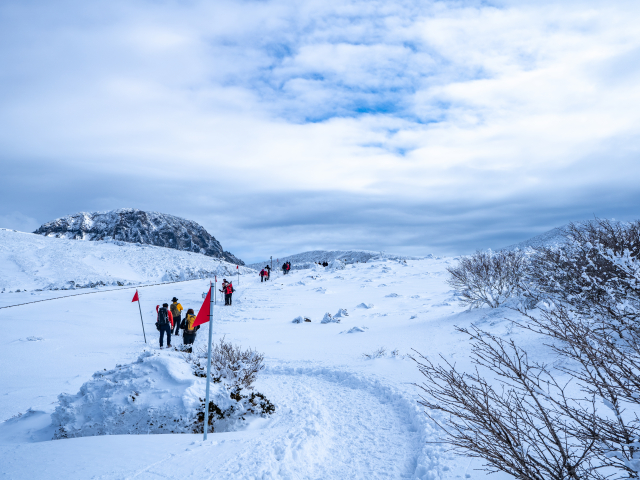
[[341, 313], [365, 305], [357, 330], [328, 318], [301, 319], [156, 394], [393, 295]]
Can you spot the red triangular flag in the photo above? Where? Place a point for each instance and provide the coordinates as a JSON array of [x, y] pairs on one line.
[[236, 267], [135, 297], [203, 314]]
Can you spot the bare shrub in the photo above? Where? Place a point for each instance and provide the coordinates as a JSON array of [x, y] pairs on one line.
[[589, 305], [379, 353], [605, 361], [516, 428], [229, 364], [488, 278]]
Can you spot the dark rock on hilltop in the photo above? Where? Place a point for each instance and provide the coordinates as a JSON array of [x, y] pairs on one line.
[[136, 226]]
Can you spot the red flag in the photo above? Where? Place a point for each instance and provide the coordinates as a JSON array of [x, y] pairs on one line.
[[203, 314], [236, 267], [135, 297]]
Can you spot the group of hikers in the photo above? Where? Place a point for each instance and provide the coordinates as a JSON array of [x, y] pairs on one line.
[[286, 267], [265, 274], [170, 319]]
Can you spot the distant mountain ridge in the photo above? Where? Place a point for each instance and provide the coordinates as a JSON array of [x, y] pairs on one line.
[[308, 259], [137, 226]]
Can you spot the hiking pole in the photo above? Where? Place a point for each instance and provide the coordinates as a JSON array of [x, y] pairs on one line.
[[206, 402]]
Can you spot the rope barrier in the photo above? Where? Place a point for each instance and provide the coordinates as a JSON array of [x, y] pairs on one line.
[[101, 291]]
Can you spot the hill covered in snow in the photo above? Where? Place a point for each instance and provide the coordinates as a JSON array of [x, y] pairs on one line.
[[34, 262], [308, 259], [555, 236], [137, 226]]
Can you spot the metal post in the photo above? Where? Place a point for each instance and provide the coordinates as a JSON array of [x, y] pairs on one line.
[[206, 402], [139, 308]]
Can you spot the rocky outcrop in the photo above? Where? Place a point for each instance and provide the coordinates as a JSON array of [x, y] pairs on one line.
[[136, 226]]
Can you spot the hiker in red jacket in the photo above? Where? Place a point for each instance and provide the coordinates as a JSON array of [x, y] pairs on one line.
[[228, 292], [263, 274], [164, 323]]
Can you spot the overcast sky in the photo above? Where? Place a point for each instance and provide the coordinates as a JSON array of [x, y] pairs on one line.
[[282, 126]]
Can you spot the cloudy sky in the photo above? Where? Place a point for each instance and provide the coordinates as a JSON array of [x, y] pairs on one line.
[[286, 125]]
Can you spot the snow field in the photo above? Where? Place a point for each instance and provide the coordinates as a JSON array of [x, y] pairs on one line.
[[337, 416], [34, 262]]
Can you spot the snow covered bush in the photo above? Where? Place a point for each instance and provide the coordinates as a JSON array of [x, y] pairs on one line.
[[235, 371], [328, 318], [597, 273], [488, 278], [165, 394]]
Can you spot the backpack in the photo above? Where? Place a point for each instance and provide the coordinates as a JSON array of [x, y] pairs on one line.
[[174, 310], [163, 316]]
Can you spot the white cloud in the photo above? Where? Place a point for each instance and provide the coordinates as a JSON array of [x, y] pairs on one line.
[[428, 102]]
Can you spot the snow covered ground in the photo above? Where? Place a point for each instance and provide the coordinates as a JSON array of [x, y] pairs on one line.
[[338, 414], [33, 262]]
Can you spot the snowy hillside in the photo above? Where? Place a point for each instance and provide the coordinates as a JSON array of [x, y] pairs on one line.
[[308, 259], [556, 236], [136, 226], [346, 406], [34, 262]]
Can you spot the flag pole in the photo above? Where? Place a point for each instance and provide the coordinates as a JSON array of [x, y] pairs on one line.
[[206, 402], [140, 308]]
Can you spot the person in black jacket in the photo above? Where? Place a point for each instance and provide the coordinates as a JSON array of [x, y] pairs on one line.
[[188, 330]]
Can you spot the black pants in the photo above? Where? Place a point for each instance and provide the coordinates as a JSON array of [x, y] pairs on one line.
[[165, 328], [261, 279], [227, 298], [188, 338], [176, 320]]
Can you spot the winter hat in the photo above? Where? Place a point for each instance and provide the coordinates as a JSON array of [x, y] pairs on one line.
[[174, 299], [165, 304]]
